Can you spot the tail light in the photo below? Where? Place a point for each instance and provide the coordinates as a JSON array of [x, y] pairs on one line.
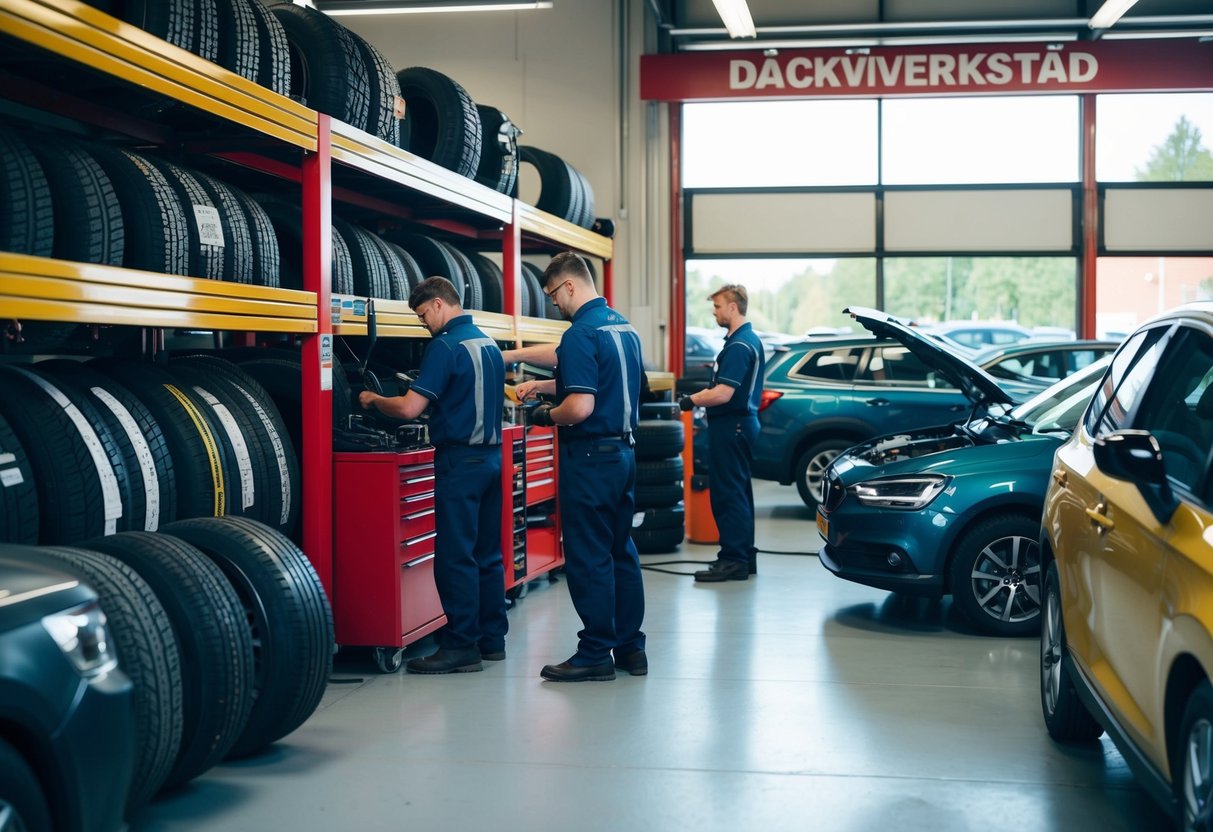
[[768, 396]]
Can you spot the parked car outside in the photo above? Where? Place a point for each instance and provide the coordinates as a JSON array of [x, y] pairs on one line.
[[954, 509], [66, 724], [977, 335], [1127, 548], [702, 347], [823, 395], [1040, 362]]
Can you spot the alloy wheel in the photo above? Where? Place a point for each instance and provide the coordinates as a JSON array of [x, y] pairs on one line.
[[1050, 654], [1198, 776], [1006, 579], [814, 472]]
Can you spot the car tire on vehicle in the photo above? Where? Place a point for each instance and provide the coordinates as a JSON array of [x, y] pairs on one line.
[[811, 468], [1194, 788], [1066, 717], [994, 573], [23, 806]]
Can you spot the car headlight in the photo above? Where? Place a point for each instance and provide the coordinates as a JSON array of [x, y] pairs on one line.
[[83, 637], [908, 493]]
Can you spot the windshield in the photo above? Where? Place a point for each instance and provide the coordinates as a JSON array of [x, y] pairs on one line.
[[1060, 407]]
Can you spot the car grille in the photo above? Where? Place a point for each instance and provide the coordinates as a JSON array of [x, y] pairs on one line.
[[832, 492]]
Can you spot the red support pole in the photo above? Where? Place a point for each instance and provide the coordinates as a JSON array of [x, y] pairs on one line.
[[678, 294], [511, 263], [1090, 222], [317, 462], [608, 282]]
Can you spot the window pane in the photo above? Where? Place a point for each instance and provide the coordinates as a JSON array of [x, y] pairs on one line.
[[1154, 137], [1128, 381], [776, 143], [829, 365], [1174, 410], [940, 141], [898, 367], [787, 297], [1130, 290], [1007, 294]]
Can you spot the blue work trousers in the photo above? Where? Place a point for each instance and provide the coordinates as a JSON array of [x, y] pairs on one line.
[[468, 569], [730, 455], [597, 484]]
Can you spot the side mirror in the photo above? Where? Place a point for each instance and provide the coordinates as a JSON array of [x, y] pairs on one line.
[[1135, 455]]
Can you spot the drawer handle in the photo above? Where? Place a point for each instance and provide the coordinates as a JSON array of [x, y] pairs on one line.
[[538, 483], [413, 541], [418, 515], [419, 561], [416, 480], [416, 498]]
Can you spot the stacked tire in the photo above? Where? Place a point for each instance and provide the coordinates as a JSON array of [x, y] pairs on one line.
[[659, 523], [222, 626], [563, 190]]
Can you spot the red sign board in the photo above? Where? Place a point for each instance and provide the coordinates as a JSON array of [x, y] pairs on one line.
[[970, 69]]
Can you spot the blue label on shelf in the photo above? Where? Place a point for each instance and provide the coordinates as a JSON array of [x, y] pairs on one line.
[[360, 308]]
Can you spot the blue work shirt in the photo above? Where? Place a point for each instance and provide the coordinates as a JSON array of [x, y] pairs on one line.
[[600, 355], [463, 375], [740, 365]]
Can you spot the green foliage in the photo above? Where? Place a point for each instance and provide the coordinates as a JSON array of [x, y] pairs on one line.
[[1180, 158]]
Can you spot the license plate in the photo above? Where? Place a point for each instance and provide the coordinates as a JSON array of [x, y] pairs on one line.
[[823, 527]]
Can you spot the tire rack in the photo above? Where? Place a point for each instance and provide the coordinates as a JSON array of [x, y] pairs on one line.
[[36, 288]]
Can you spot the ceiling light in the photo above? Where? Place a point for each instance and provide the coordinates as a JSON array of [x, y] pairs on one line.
[[736, 17], [371, 7], [1110, 12]]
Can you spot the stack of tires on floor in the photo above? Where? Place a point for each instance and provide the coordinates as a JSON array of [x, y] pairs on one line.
[[658, 525], [171, 490]]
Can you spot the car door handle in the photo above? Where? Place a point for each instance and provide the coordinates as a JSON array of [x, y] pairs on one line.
[[1060, 478], [878, 402], [1099, 516]]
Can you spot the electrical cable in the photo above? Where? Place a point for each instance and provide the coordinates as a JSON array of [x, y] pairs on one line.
[[781, 552]]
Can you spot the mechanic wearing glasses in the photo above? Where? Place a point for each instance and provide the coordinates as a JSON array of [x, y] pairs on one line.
[[597, 387], [461, 378]]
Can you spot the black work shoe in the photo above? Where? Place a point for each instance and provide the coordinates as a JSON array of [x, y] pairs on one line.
[[493, 655], [466, 660], [636, 662], [754, 567], [724, 570], [566, 672]]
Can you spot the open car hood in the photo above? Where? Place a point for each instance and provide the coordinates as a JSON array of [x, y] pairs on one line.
[[977, 385]]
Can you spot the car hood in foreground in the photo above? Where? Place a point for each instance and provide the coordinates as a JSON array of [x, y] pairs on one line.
[[976, 384]]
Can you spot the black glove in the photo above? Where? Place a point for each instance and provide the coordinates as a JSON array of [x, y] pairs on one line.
[[542, 416], [685, 403]]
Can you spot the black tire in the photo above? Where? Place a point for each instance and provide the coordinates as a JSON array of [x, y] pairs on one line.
[[21, 796], [433, 258], [287, 220], [274, 67], [147, 652], [586, 220], [492, 282], [498, 167], [663, 411], [251, 492], [87, 214], [412, 271], [369, 269], [397, 273], [238, 253], [282, 496], [78, 492], [175, 22], [657, 541], [157, 234], [240, 40], [206, 259], [558, 192], [659, 471], [327, 70], [18, 494], [139, 436], [288, 613], [473, 295], [27, 217], [672, 517], [206, 30], [201, 466], [811, 466], [282, 379], [1192, 789], [658, 495], [656, 439], [527, 287], [384, 89], [999, 555], [535, 301], [213, 636], [1065, 715], [266, 258], [444, 126]]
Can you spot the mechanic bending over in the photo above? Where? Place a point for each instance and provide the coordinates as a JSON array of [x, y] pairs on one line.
[[461, 378]]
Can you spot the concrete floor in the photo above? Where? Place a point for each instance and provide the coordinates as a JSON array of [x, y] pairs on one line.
[[794, 701]]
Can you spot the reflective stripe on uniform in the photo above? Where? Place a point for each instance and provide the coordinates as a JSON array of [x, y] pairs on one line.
[[616, 332], [475, 348]]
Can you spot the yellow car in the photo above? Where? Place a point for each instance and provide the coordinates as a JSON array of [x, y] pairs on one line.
[[1127, 545]]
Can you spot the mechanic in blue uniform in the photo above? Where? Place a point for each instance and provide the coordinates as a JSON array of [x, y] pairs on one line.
[[732, 411], [597, 387], [461, 378]]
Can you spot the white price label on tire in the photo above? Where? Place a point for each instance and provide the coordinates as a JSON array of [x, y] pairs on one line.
[[210, 230]]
